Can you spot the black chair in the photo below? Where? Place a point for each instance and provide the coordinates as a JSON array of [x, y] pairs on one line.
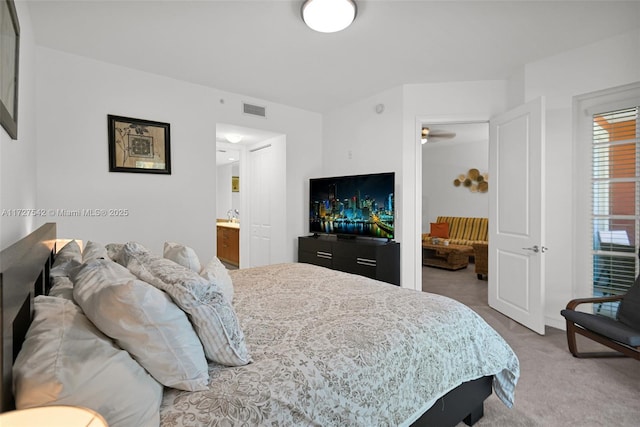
[[621, 334]]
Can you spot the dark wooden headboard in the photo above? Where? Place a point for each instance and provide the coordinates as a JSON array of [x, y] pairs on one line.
[[24, 274]]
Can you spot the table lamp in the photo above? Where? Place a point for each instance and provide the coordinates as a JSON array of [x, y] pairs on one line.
[[52, 416]]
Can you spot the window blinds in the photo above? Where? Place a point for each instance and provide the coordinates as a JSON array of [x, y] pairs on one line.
[[615, 200]]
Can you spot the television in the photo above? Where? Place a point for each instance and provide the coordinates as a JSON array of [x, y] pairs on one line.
[[352, 206]]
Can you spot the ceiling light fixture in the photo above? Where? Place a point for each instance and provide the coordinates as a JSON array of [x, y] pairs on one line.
[[328, 16], [233, 138]]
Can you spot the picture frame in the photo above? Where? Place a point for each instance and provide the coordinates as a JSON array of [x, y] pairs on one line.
[[139, 145], [235, 184], [9, 66]]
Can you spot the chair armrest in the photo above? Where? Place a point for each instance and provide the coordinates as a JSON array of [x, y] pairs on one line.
[[571, 305]]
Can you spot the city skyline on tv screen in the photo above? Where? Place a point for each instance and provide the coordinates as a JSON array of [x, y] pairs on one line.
[[361, 205]]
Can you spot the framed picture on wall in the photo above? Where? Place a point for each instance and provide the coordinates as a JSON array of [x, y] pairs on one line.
[[235, 184], [137, 145], [9, 55]]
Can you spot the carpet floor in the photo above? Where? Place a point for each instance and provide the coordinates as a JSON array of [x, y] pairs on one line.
[[555, 388]]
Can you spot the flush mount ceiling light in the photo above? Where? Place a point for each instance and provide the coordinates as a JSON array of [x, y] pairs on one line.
[[233, 138], [328, 16]]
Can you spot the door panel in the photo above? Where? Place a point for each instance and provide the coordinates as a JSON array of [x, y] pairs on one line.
[[516, 208], [513, 265], [260, 160], [266, 201]]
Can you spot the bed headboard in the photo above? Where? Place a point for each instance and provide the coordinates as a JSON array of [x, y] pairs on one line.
[[24, 274]]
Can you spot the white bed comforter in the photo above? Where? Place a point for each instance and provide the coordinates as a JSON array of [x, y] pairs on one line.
[[336, 349]]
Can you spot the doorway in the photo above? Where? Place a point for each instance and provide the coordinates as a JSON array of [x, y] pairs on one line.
[[251, 164], [451, 151]]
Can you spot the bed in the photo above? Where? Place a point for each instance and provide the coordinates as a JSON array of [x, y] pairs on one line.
[[326, 348]]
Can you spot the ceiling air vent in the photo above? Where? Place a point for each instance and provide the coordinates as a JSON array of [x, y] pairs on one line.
[[254, 110]]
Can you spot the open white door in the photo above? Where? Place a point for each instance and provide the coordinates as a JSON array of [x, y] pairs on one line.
[[516, 212]]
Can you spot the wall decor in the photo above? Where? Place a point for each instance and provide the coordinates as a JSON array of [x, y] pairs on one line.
[[9, 55], [235, 184], [137, 145], [474, 181]]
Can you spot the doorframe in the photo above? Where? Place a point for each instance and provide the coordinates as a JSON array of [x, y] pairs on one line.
[[447, 119], [244, 148]]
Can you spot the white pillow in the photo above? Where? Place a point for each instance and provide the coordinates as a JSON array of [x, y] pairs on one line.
[[61, 287], [183, 255], [144, 321], [215, 272], [211, 314], [114, 251], [65, 360], [66, 258], [93, 250]]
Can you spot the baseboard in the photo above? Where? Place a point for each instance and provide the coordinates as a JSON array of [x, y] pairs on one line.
[[556, 322]]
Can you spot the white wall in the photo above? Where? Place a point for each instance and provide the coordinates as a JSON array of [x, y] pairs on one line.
[[442, 162], [223, 192], [75, 96], [358, 140], [605, 64], [18, 171]]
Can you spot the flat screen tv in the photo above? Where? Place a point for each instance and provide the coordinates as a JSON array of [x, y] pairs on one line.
[[356, 205]]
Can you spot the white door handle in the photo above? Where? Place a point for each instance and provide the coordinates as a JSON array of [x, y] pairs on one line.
[[536, 249]]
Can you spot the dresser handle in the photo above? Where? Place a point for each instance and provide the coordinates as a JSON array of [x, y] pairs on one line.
[[367, 262]]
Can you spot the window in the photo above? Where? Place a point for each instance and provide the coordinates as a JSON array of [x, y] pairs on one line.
[[615, 202]]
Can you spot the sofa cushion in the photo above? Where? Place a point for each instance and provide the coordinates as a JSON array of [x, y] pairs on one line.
[[466, 230], [440, 229], [603, 325]]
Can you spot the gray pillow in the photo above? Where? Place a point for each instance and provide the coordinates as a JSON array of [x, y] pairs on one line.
[[144, 321], [68, 257], [65, 360]]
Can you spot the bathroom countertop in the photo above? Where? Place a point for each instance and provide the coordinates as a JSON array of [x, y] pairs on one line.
[[228, 224]]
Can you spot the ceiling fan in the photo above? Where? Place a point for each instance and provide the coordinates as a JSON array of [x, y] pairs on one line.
[[435, 135]]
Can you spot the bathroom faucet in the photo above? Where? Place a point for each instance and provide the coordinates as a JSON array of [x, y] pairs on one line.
[[233, 215]]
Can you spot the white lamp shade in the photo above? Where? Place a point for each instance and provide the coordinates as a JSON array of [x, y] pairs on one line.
[[328, 16], [52, 416]]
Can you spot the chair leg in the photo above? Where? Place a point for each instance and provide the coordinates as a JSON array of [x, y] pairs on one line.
[[571, 338], [572, 330]]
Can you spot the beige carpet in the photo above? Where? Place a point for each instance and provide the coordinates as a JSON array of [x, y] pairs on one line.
[[555, 389]]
